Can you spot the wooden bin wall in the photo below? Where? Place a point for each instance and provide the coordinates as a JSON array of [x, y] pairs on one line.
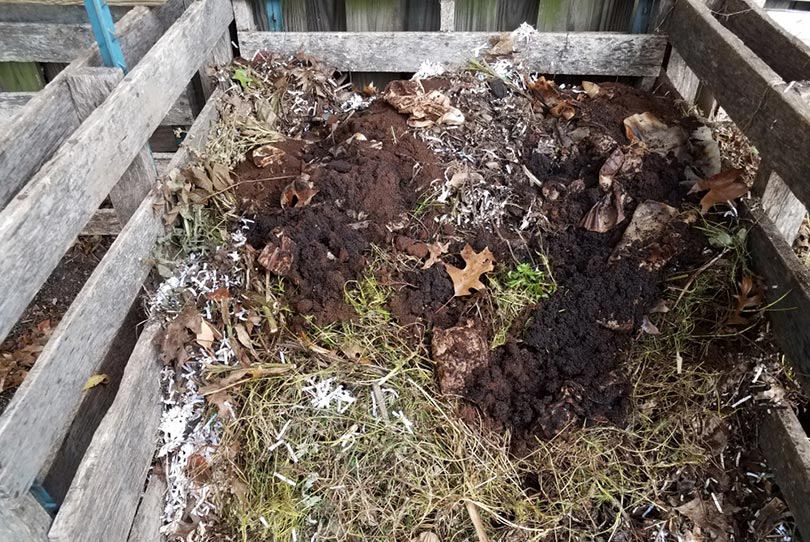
[[79, 139], [750, 87]]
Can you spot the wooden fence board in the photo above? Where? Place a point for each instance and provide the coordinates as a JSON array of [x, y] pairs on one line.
[[33, 243], [777, 122], [77, 2], [592, 53], [11, 103], [784, 443], [104, 495], [25, 521], [49, 118], [786, 279], [783, 52], [36, 42], [147, 523], [89, 87], [780, 205]]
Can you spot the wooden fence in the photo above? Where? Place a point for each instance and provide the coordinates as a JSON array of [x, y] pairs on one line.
[[70, 136]]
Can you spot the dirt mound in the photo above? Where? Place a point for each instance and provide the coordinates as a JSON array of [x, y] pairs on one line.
[[367, 173], [560, 366]]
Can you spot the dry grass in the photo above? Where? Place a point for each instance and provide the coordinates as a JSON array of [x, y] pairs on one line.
[[367, 473]]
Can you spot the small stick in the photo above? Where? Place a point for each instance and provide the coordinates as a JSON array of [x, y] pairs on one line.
[[378, 395], [476, 519], [700, 270]]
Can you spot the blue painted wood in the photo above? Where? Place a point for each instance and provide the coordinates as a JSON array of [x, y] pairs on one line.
[[274, 17], [641, 16], [44, 498], [104, 29]]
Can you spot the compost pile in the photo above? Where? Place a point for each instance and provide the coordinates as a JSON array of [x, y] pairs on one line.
[[499, 275]]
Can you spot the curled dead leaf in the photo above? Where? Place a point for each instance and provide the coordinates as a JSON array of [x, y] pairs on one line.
[[563, 110], [750, 297], [298, 193], [425, 109], [370, 89], [646, 128], [647, 226], [476, 264], [610, 168], [240, 376], [591, 88], [648, 327], [607, 212], [723, 187], [176, 335], [435, 250], [206, 335]]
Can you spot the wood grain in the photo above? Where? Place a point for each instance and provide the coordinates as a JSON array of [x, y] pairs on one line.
[[146, 526], [37, 42], [24, 521], [783, 52], [104, 495], [786, 447], [780, 205], [776, 122], [32, 243], [49, 118], [89, 87], [78, 2], [592, 53], [787, 280], [104, 222]]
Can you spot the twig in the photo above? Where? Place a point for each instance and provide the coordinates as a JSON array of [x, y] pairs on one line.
[[476, 519], [695, 275]]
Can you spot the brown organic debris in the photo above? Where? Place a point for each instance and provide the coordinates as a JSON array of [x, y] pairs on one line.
[[656, 136], [298, 193], [278, 254], [458, 351], [750, 297], [610, 168], [607, 212], [435, 250], [723, 187], [425, 109], [469, 278], [267, 155]]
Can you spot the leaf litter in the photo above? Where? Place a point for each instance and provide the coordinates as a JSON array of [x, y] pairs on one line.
[[301, 382]]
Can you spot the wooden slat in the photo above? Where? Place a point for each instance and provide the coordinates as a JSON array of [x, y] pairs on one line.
[[776, 122], [786, 447], [39, 13], [780, 205], [447, 16], [591, 53], [36, 42], [683, 79], [104, 222], [24, 521], [797, 23], [788, 280], [49, 118], [77, 2], [104, 495], [147, 523], [12, 102], [89, 87], [33, 243], [243, 16], [782, 51]]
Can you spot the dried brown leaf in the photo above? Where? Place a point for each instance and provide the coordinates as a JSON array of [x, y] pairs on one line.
[[655, 135], [607, 212], [95, 380], [750, 297], [206, 335], [591, 88], [610, 168], [298, 193], [720, 180], [435, 250], [726, 193], [278, 254], [177, 334], [476, 264], [240, 376]]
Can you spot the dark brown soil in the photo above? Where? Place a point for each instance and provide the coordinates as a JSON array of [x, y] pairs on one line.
[[561, 366]]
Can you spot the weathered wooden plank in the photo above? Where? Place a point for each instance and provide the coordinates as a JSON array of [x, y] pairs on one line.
[[326, 15], [36, 42], [593, 53], [511, 13], [447, 16], [221, 55], [12, 102], [243, 16], [39, 13], [24, 521], [776, 122], [682, 78], [104, 495], [796, 23], [162, 160], [476, 15], [788, 280], [104, 222], [49, 118], [782, 51], [58, 471], [786, 447], [146, 526], [77, 2], [89, 87], [780, 205], [375, 15], [32, 243]]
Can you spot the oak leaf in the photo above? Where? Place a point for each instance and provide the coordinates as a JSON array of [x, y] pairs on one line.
[[721, 188], [435, 250], [476, 264]]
